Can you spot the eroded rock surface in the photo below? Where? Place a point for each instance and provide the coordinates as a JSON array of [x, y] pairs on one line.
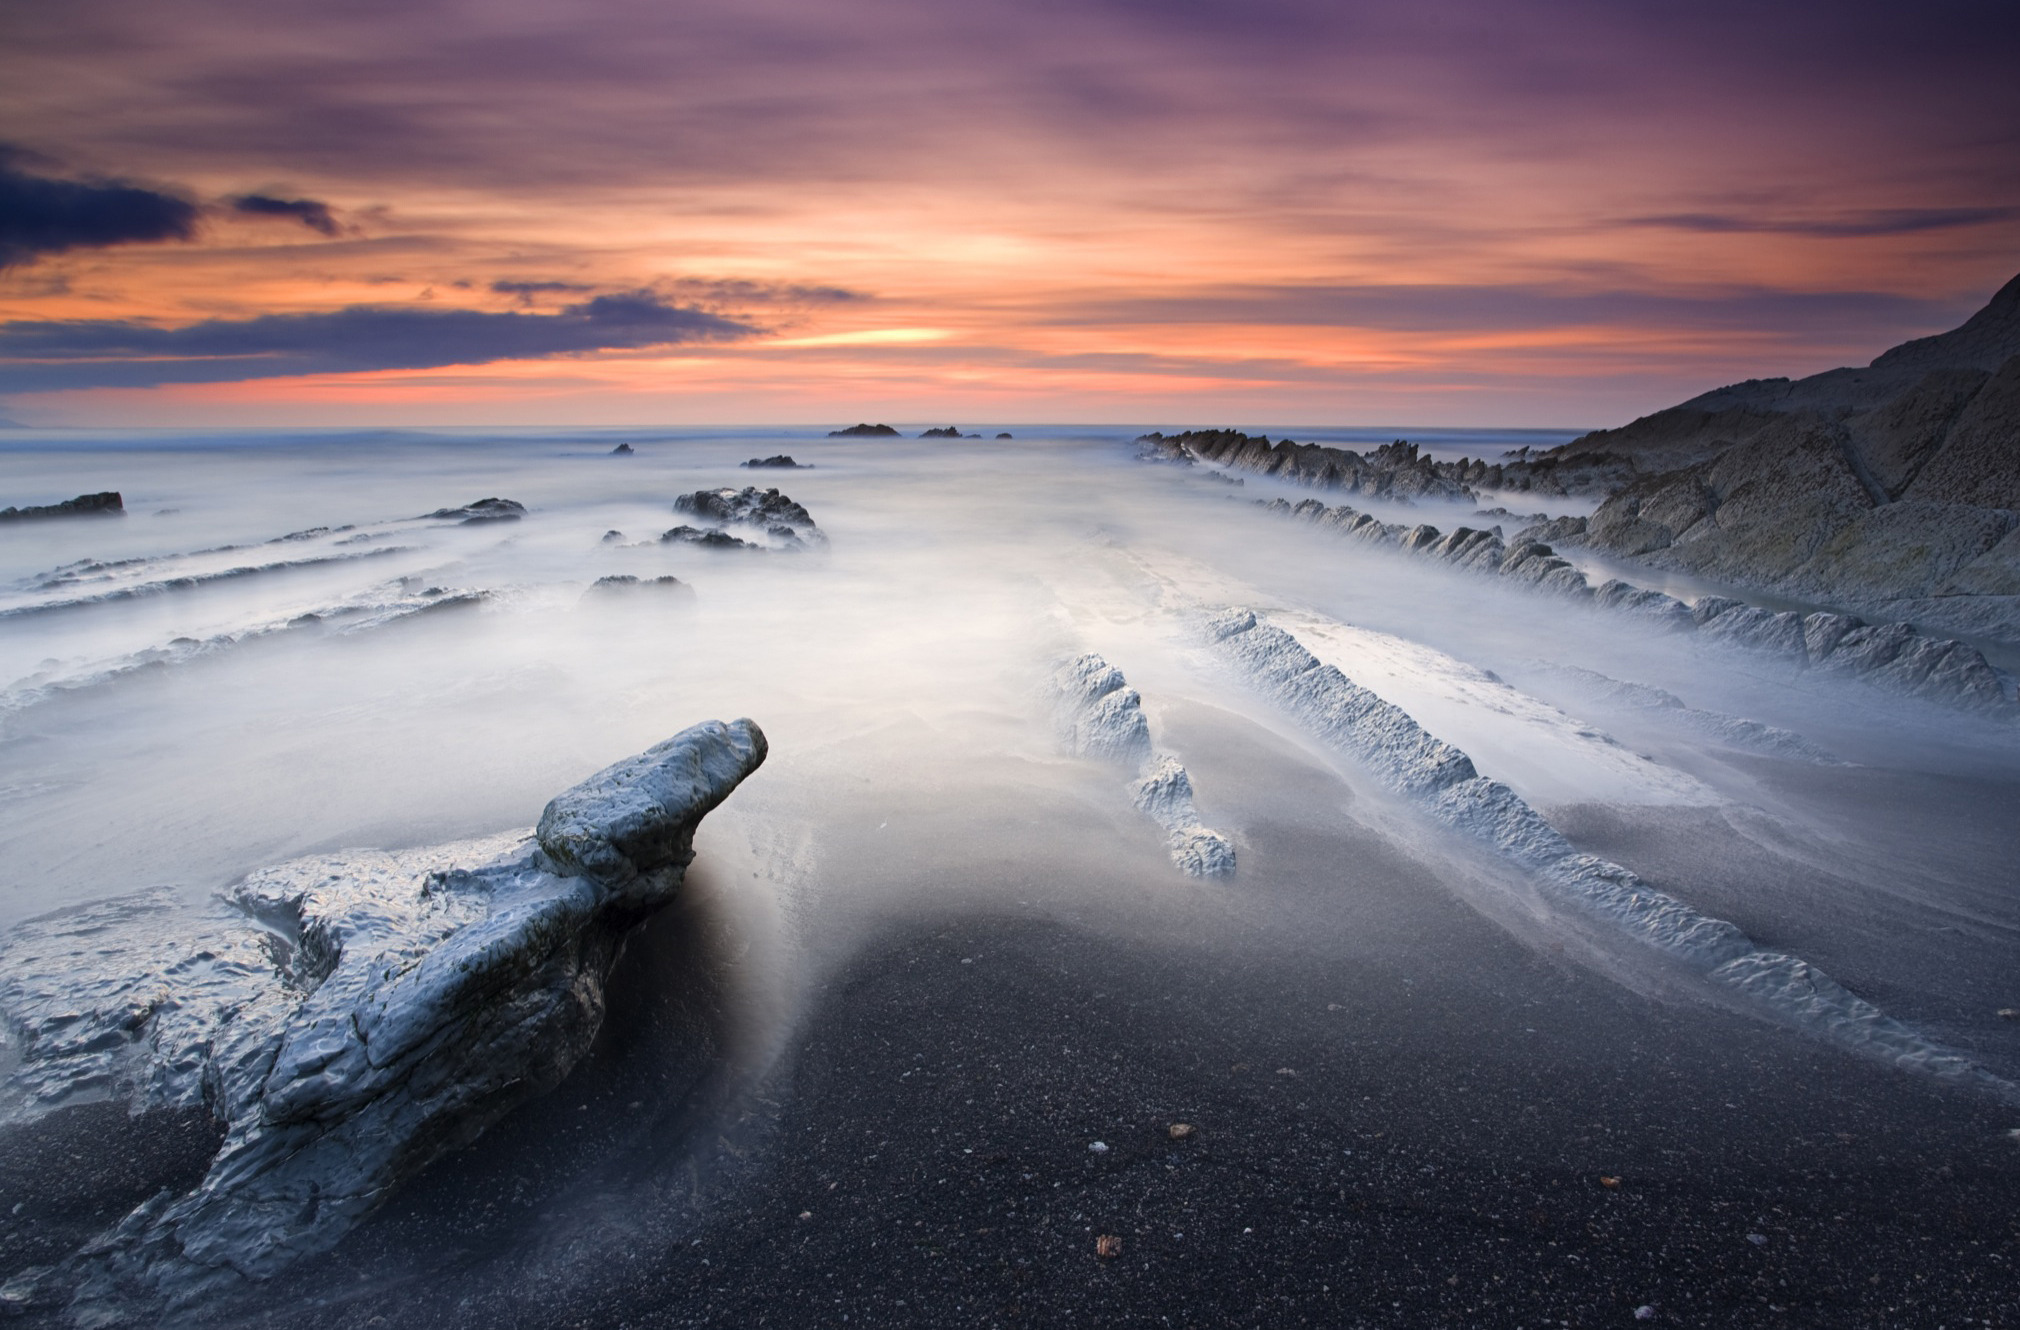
[[1101, 716], [1442, 781], [107, 504], [349, 1018]]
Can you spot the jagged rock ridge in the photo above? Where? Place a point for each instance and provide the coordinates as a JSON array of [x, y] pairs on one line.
[[1893, 656], [349, 1018], [767, 510], [1102, 716], [108, 504], [1441, 780]]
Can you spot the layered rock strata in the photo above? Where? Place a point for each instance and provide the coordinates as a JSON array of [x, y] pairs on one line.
[[1441, 781], [347, 1018], [1101, 716], [108, 504], [1893, 656]]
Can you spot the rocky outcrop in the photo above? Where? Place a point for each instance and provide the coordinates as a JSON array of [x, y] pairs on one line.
[[1395, 471], [1101, 716], [1895, 657], [483, 510], [864, 432], [949, 432], [1006, 434], [1892, 490], [347, 1018], [1441, 781], [620, 587], [779, 460], [108, 504], [784, 521], [623, 450]]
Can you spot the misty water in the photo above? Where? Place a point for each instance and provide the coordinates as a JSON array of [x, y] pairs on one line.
[[275, 653]]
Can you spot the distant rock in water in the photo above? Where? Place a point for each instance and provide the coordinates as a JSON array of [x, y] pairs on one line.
[[864, 432], [1892, 490], [612, 537], [484, 510], [107, 504], [347, 1018], [1396, 471], [708, 537], [781, 461], [623, 586], [622, 450], [776, 514], [948, 433], [1006, 434]]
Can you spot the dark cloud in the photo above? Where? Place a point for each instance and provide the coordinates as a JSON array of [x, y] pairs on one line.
[[311, 213], [527, 290], [42, 215], [114, 353], [1880, 222]]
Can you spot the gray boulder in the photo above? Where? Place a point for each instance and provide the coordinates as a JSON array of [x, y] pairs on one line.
[[348, 1018]]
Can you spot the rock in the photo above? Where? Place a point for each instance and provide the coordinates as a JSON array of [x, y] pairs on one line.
[[779, 460], [1101, 716], [769, 510], [483, 510], [947, 433], [1006, 434], [107, 504], [1888, 490], [1442, 782], [612, 538], [348, 1018], [622, 450], [623, 586], [864, 432], [709, 537], [1396, 471]]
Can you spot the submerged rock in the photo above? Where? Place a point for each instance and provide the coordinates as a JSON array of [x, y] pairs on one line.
[[623, 586], [709, 537], [348, 1018], [107, 504], [779, 460], [622, 450], [483, 510]]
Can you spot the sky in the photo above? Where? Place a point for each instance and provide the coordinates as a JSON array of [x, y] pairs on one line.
[[1563, 213]]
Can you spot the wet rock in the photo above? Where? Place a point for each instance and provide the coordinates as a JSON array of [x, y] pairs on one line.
[[708, 537], [767, 510], [349, 1018], [624, 586], [483, 510], [864, 432], [780, 461], [622, 450], [107, 504], [948, 432], [1006, 434]]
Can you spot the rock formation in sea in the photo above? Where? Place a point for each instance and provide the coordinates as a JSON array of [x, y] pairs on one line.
[[624, 587], [1101, 716], [786, 522], [1395, 471], [483, 510], [949, 432], [348, 1018], [1892, 491], [622, 450], [1006, 434], [779, 460], [864, 432], [107, 504], [1892, 656]]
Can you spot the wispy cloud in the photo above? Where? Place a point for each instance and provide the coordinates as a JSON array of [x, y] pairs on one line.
[[50, 355], [312, 213], [1875, 222]]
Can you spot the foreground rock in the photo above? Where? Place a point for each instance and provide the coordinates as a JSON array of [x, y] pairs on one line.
[[767, 510], [1101, 716], [348, 1018], [864, 432], [107, 504], [1892, 490]]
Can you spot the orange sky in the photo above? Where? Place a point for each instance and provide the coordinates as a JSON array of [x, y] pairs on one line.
[[1556, 214]]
